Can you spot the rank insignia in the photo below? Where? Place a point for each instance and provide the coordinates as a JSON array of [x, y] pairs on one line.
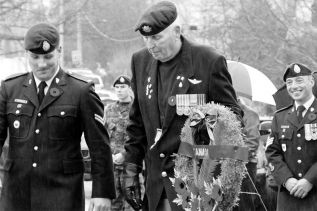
[[284, 147], [45, 45], [146, 28], [99, 119], [16, 124]]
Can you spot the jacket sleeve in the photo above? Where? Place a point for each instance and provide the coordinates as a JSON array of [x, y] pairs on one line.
[[221, 88], [96, 136], [275, 157], [3, 119], [251, 129], [311, 174], [136, 144]]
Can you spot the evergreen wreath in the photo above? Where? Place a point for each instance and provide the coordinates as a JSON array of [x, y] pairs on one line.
[[209, 184]]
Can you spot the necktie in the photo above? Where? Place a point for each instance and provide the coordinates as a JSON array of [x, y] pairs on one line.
[[300, 110], [41, 93]]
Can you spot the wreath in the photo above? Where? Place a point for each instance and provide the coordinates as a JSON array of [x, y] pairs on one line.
[[210, 163]]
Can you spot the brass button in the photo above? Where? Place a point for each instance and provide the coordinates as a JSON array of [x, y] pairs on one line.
[[17, 111], [162, 155], [299, 148], [300, 175], [164, 174], [299, 161], [298, 135], [283, 136], [39, 114], [34, 165], [62, 113], [37, 131], [35, 148]]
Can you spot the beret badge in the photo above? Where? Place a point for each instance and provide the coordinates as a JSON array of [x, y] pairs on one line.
[[146, 28], [45, 45], [296, 68], [121, 79]]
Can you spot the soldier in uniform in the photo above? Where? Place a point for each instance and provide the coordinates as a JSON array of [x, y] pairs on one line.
[[116, 117], [169, 65], [44, 113], [292, 144]]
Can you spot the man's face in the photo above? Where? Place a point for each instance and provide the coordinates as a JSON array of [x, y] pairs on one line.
[[300, 88], [44, 66], [122, 91], [162, 46]]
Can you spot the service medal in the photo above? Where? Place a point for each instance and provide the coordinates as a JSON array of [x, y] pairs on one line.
[[308, 134]]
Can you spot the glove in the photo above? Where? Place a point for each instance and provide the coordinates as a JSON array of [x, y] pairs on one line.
[[131, 185]]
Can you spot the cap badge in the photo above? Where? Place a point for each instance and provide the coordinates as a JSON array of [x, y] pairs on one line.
[[121, 79], [146, 28], [46, 46], [296, 68]]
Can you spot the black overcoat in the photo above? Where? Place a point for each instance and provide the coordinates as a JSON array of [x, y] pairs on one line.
[[204, 72], [44, 169]]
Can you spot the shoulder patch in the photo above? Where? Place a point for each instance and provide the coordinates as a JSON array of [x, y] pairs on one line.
[[77, 76], [15, 76], [284, 108]]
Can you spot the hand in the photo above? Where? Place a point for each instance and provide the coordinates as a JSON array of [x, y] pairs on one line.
[[131, 185], [118, 158], [100, 204], [301, 189], [290, 183]]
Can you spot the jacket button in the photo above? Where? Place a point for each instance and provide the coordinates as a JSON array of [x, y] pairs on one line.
[[283, 136], [17, 111], [39, 114], [299, 148], [162, 155], [299, 161], [34, 165], [298, 135], [62, 113], [300, 175], [164, 174], [37, 131], [35, 148]]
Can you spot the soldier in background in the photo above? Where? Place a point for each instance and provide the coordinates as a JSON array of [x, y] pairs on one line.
[[116, 116]]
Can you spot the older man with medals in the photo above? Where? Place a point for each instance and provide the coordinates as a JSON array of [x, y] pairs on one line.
[[168, 77], [292, 145]]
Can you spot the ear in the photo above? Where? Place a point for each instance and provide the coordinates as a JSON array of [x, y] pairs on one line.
[[177, 30]]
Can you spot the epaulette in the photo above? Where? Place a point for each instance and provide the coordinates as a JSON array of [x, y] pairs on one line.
[[15, 75], [77, 76], [284, 108]]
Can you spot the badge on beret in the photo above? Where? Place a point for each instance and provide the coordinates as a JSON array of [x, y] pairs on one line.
[[146, 28], [296, 68], [16, 124], [54, 92], [121, 79], [46, 46]]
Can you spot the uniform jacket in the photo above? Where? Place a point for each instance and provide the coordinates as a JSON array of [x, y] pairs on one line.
[[197, 62], [291, 155], [44, 169]]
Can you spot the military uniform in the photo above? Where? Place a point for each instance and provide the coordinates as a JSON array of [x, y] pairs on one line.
[[292, 149], [116, 116], [44, 167]]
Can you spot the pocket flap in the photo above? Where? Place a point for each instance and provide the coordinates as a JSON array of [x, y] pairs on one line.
[[62, 111], [73, 166]]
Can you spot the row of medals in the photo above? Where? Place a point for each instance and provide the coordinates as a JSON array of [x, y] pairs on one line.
[[311, 131], [185, 102]]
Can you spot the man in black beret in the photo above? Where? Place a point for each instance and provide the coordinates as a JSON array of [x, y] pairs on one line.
[[292, 145], [169, 65], [45, 113]]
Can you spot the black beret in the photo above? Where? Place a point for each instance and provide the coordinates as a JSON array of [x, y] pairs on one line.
[[157, 18], [296, 69], [41, 38], [122, 80]]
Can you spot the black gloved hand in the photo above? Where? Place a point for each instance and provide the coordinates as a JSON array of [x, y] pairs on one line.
[[131, 185]]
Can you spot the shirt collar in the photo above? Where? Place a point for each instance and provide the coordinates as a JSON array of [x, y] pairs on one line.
[[48, 82], [307, 104]]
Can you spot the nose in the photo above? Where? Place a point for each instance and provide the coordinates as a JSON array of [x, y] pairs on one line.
[[41, 62]]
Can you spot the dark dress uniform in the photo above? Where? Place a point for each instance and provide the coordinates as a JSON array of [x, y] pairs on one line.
[[291, 155], [44, 169], [201, 71]]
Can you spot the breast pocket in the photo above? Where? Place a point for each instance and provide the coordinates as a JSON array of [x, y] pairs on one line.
[[62, 121], [285, 138], [19, 119]]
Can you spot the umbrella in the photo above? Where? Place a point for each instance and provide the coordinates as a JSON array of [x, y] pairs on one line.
[[251, 83]]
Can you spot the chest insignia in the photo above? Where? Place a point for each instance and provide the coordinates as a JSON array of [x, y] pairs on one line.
[[312, 116], [180, 79], [20, 101], [16, 124], [194, 81], [148, 88], [284, 147]]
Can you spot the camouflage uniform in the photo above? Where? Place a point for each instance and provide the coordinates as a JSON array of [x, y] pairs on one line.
[[117, 115]]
